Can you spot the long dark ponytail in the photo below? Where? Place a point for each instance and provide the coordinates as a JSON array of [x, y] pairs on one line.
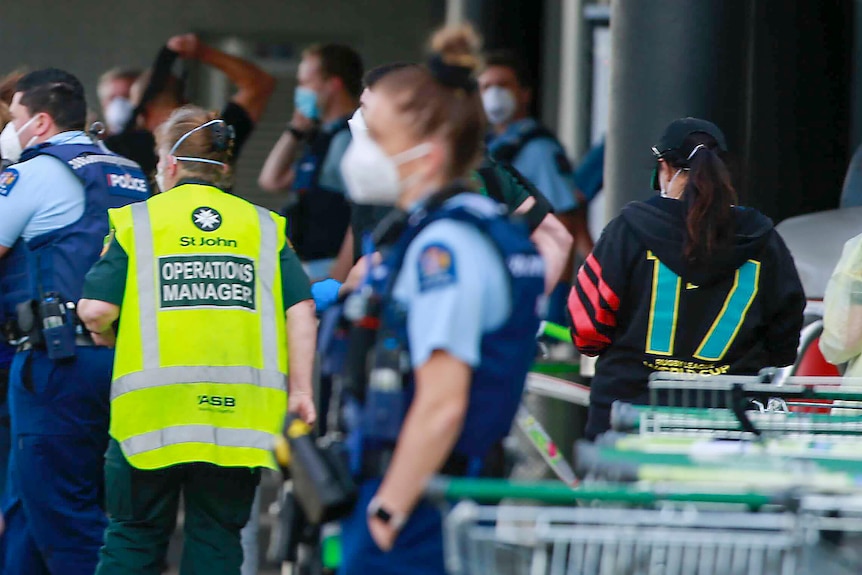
[[709, 196]]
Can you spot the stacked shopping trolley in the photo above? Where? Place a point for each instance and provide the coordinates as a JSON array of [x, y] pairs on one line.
[[718, 475]]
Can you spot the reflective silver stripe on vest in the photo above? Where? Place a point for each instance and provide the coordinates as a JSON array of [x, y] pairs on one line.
[[146, 285], [196, 434], [161, 376], [266, 273]]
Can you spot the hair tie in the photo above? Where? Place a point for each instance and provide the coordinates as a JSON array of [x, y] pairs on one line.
[[452, 76]]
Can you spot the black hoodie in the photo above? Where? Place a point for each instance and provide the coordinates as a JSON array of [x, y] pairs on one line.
[[642, 307]]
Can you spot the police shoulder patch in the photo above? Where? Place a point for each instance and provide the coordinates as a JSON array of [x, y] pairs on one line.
[[436, 267], [8, 179]]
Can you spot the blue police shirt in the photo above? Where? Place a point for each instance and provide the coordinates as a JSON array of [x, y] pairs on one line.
[[40, 195], [590, 175], [330, 172], [538, 162], [455, 288]]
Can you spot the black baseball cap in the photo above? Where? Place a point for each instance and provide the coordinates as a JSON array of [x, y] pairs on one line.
[[675, 134]]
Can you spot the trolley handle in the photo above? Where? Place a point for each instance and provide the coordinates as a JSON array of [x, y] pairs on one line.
[[554, 492], [554, 331]]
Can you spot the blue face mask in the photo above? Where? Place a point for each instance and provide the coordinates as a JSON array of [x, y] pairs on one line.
[[305, 100]]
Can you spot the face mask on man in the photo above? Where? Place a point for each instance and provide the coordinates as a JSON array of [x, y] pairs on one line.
[[10, 143], [370, 175], [117, 114], [305, 100], [499, 104]]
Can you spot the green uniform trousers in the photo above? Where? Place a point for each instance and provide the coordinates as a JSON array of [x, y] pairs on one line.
[[142, 506]]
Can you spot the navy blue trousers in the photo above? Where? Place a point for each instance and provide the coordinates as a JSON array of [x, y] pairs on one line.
[[55, 501], [418, 549]]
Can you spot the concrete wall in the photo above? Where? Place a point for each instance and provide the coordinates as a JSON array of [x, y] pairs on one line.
[[88, 37]]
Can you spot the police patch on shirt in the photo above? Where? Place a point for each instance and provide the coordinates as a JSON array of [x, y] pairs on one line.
[[206, 219], [436, 267], [8, 179]]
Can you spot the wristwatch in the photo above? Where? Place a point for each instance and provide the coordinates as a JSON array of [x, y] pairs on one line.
[[393, 519]]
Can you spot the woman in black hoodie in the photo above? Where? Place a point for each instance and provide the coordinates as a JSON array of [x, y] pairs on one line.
[[685, 282]]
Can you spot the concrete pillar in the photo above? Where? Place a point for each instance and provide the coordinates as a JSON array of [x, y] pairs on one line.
[[670, 59]]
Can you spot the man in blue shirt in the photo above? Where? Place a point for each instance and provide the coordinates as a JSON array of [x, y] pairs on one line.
[[306, 159], [521, 141], [53, 220]]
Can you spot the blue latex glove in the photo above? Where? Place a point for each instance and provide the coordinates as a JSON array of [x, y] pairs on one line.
[[325, 294]]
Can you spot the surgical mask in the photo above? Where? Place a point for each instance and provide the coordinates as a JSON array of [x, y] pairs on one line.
[[499, 104], [357, 124], [371, 176], [10, 144], [117, 114], [305, 101], [665, 191]]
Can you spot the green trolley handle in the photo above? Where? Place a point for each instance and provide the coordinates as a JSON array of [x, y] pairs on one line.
[[555, 331], [555, 492]]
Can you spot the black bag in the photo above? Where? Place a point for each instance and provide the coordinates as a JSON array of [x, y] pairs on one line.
[[322, 481]]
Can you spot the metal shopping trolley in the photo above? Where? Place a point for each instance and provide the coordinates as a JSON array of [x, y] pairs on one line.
[[744, 407], [644, 533]]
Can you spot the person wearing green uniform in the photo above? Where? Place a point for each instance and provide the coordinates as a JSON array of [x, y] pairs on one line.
[[208, 296]]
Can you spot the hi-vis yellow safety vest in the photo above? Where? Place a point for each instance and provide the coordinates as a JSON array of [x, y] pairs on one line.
[[201, 358]]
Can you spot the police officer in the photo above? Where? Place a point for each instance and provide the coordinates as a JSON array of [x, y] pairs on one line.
[[498, 181], [307, 156], [521, 141], [53, 220], [458, 293], [7, 352], [209, 296]]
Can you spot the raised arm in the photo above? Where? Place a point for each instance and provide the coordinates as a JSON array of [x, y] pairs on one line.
[[254, 86]]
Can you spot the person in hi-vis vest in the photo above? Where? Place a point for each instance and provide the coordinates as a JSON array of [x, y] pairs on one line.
[[209, 296]]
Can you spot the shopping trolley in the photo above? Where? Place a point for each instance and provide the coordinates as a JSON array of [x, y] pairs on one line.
[[744, 407], [644, 533]]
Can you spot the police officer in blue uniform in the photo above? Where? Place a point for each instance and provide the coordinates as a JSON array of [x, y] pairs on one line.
[[53, 222], [454, 303], [532, 149]]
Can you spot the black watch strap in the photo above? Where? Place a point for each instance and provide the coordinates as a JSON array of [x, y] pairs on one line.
[[298, 134], [377, 510]]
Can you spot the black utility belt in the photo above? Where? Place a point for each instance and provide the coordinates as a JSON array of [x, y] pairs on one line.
[[81, 340], [376, 462]]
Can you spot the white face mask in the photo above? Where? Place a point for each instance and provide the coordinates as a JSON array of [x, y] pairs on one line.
[[117, 114], [370, 175], [10, 145], [666, 190], [499, 104]]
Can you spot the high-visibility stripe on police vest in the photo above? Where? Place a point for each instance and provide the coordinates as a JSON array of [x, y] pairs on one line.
[[185, 388]]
